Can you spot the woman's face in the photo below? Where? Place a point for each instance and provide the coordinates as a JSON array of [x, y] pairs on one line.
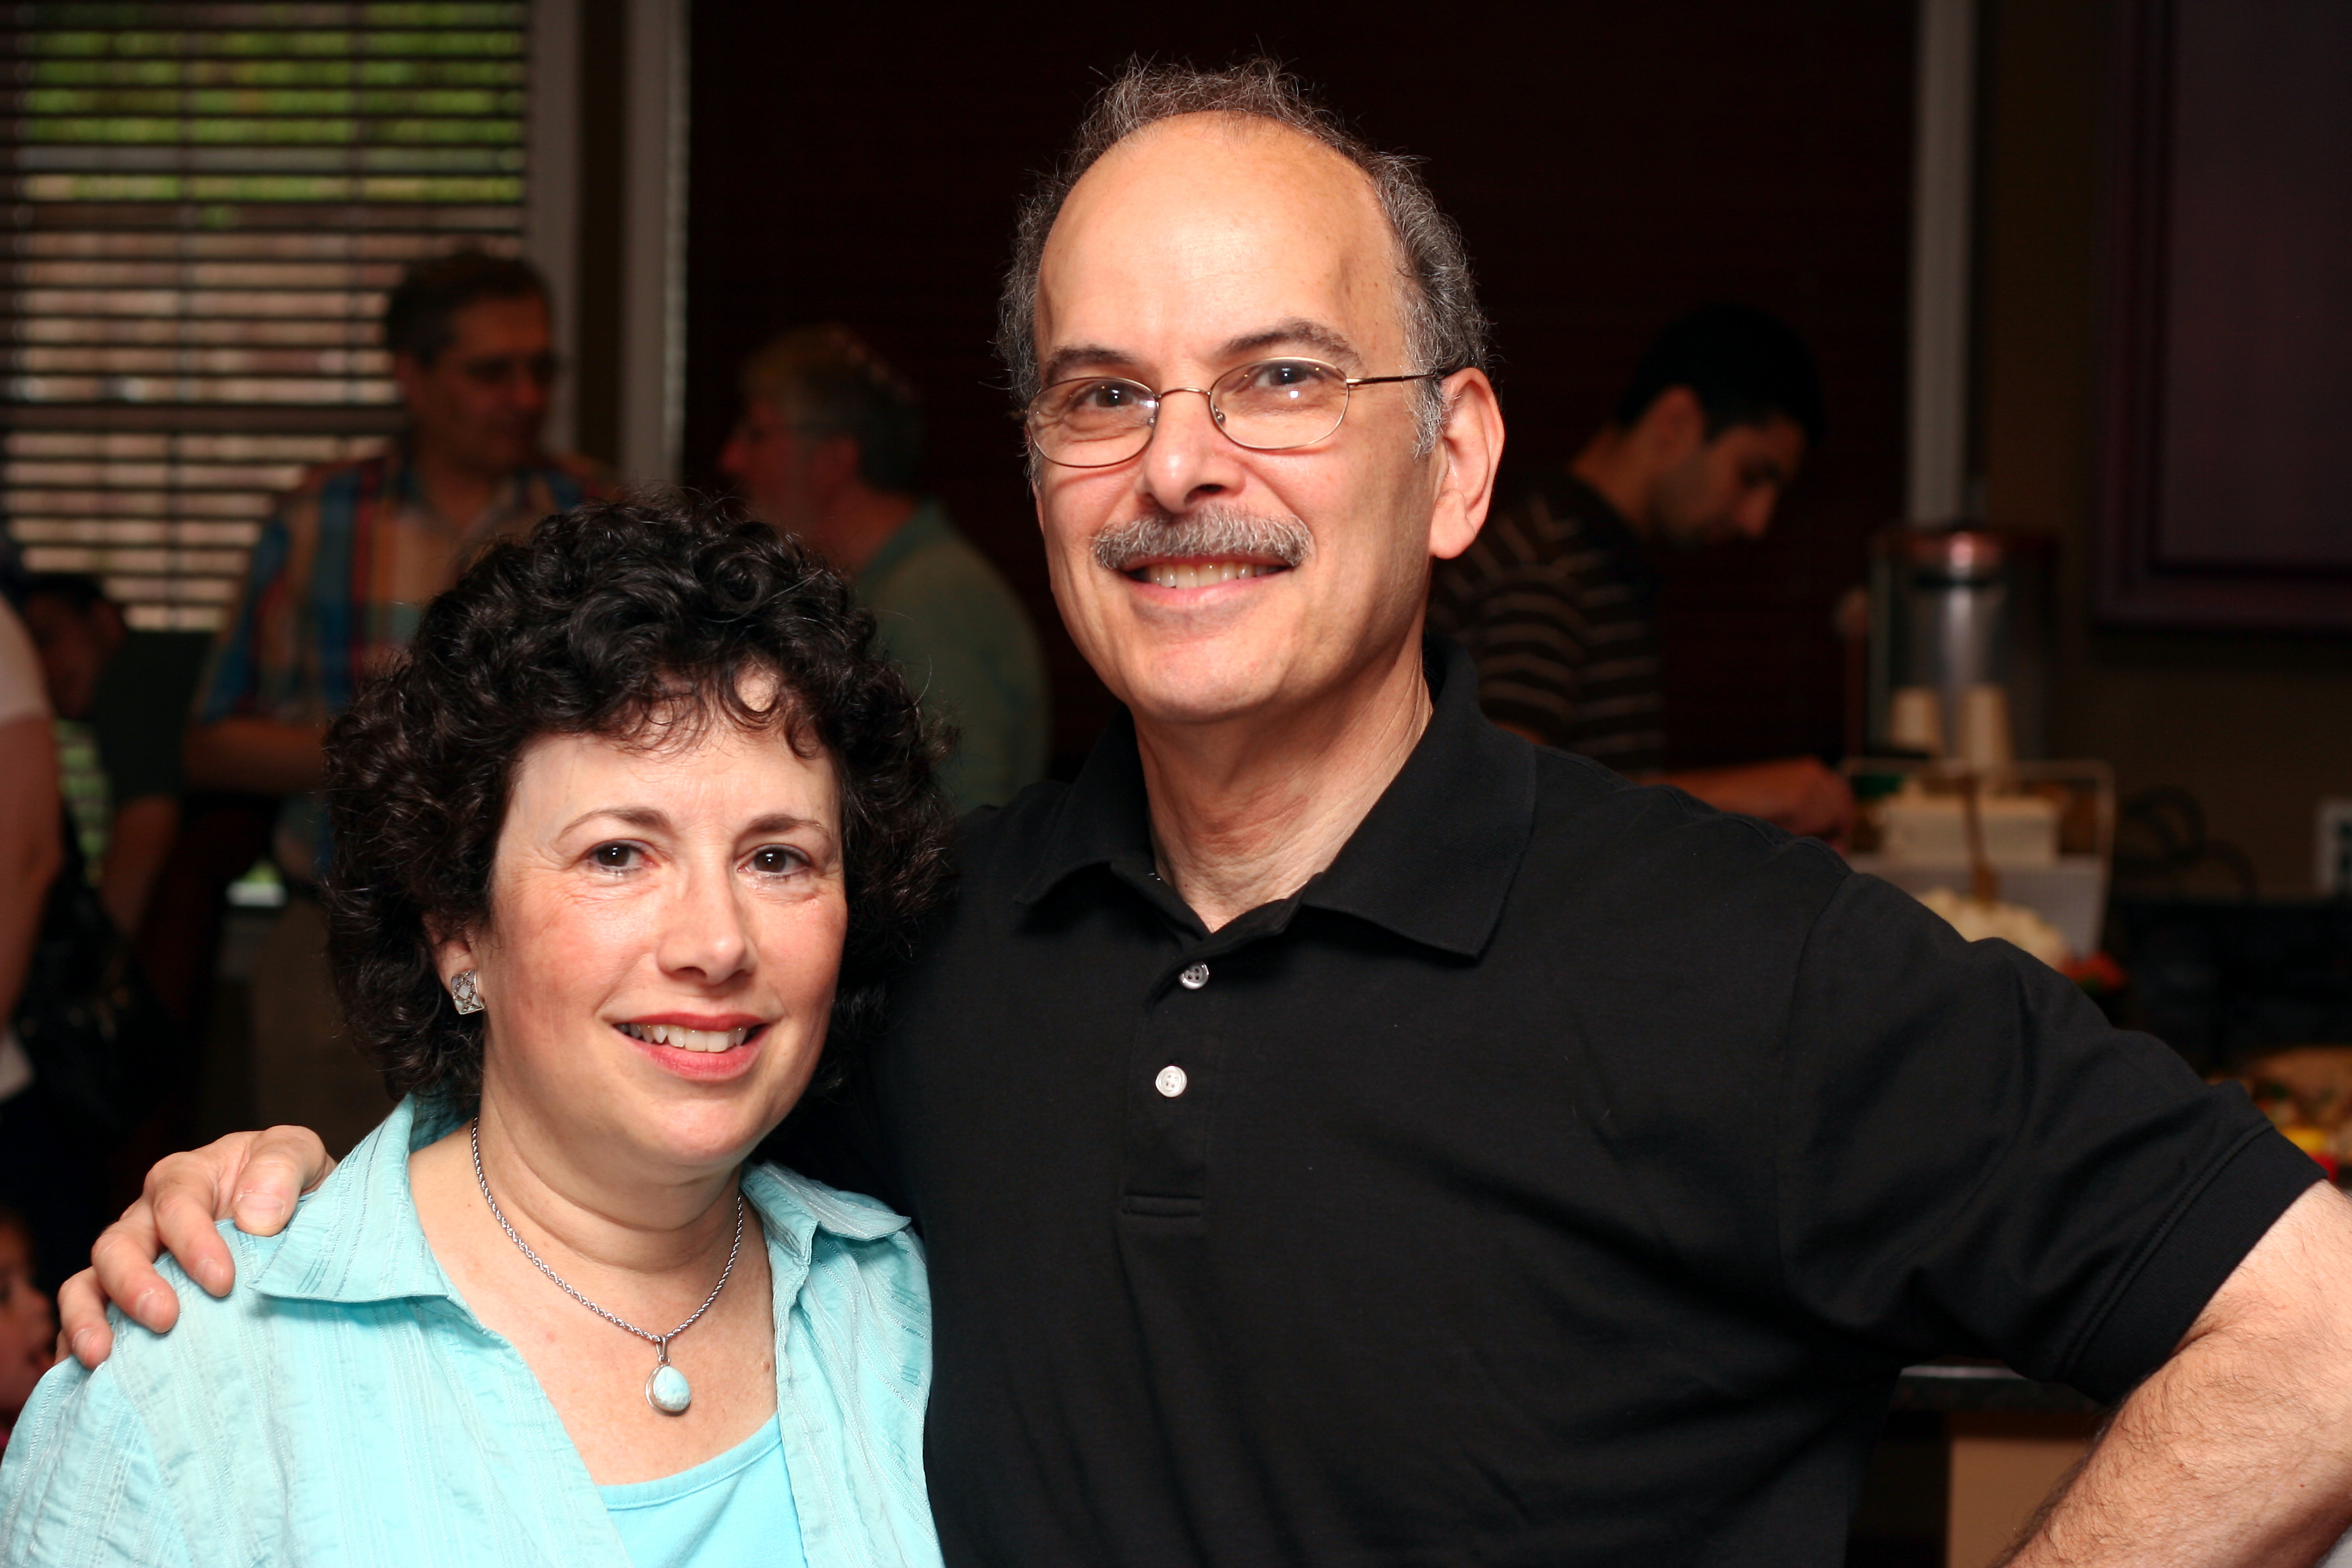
[[665, 933]]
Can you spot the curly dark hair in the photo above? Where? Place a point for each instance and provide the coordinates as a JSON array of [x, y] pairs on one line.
[[619, 619]]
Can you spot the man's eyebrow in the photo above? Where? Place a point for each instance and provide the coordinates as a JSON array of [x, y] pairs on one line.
[[1297, 331], [1071, 356]]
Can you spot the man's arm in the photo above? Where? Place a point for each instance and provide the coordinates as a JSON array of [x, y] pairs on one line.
[[2238, 1450], [29, 850], [136, 843], [256, 756], [1797, 793], [231, 745]]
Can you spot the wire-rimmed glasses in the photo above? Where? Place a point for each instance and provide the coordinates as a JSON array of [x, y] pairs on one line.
[[1270, 406]]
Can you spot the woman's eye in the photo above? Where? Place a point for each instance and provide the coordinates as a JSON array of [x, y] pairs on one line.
[[615, 856], [778, 861]]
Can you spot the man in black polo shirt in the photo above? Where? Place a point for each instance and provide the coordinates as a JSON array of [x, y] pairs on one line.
[[1344, 1134]]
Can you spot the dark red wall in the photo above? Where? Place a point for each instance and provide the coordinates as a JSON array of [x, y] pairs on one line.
[[1611, 164]]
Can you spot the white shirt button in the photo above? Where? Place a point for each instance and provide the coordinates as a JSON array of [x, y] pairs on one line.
[[1171, 1082], [1193, 979]]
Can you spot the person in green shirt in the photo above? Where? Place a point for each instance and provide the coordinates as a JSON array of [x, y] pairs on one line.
[[828, 450]]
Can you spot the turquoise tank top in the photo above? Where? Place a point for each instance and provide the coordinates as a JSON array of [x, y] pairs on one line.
[[737, 1507]]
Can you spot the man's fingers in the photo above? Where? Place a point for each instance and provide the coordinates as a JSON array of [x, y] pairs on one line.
[[183, 1223], [82, 1329], [283, 1163], [123, 1260]]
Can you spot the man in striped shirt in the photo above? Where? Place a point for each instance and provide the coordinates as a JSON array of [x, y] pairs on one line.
[[338, 579], [1555, 598]]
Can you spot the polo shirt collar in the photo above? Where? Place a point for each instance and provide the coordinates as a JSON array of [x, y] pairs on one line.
[[358, 1238], [1433, 861]]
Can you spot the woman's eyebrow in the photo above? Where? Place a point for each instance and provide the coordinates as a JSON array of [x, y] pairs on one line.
[[782, 822], [648, 817]]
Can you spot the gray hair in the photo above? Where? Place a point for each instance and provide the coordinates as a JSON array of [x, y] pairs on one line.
[[1444, 329]]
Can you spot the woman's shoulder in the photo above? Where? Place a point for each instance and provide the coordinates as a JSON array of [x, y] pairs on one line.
[[827, 1228], [802, 1204], [81, 1482], [89, 1452], [208, 1327]]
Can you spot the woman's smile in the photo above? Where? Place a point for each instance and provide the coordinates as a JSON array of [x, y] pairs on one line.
[[704, 1049]]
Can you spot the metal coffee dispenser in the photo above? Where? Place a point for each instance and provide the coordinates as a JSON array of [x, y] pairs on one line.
[[1956, 800], [1960, 625]]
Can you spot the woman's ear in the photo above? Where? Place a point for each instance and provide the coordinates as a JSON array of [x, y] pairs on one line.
[[452, 955]]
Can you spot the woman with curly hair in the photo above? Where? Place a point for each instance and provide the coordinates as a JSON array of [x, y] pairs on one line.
[[623, 848]]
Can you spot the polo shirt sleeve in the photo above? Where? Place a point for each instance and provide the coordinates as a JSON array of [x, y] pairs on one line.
[[81, 1484], [1969, 1158]]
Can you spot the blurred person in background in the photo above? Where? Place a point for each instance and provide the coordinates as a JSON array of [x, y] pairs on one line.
[[1556, 600], [37, 1173], [829, 450], [28, 1329], [337, 580], [126, 692]]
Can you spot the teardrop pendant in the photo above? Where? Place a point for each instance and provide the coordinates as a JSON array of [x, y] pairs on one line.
[[666, 1390]]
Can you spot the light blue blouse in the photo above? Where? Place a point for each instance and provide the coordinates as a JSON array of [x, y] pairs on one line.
[[344, 1406]]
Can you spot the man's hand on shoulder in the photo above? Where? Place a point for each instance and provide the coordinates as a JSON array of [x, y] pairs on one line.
[[252, 1177], [1799, 794]]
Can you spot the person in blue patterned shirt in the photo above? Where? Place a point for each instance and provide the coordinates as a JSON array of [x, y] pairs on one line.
[[341, 573]]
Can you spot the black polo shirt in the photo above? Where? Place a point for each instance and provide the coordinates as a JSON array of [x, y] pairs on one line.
[[1560, 1178]]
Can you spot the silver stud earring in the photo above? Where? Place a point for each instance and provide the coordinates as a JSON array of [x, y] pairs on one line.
[[462, 992]]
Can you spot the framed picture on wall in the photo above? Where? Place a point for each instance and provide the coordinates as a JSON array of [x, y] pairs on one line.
[[2225, 475]]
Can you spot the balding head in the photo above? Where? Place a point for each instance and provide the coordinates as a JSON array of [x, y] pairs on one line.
[[1440, 324]]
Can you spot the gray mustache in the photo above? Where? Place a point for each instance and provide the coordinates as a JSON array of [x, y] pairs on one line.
[[1213, 532]]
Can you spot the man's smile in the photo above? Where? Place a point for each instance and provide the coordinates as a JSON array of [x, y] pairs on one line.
[[1200, 573]]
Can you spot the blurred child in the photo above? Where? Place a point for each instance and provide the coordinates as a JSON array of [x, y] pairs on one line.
[[28, 1333]]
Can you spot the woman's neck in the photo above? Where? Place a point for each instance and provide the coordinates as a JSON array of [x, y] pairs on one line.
[[644, 1241], [605, 1209]]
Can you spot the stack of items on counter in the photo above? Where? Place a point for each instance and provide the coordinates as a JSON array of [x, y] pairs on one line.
[[2306, 1091]]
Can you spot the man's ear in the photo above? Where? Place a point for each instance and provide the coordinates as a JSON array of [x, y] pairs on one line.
[[1673, 428], [409, 374], [113, 631], [833, 464], [1469, 448]]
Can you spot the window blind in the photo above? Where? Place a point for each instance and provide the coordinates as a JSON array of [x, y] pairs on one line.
[[207, 205]]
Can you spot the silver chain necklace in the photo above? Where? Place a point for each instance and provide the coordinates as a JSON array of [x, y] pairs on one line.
[[666, 1389]]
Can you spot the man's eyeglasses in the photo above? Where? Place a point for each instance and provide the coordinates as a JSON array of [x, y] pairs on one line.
[[499, 370], [1097, 421]]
